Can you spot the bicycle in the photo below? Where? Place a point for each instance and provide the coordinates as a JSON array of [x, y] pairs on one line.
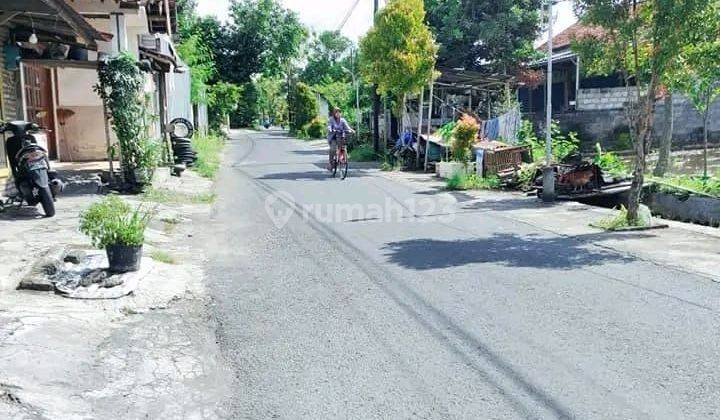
[[340, 159]]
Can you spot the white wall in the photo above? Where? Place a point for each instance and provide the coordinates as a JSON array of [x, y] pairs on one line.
[[81, 134], [75, 87], [179, 100]]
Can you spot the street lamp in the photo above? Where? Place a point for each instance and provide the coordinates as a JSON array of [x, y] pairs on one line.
[[548, 194]]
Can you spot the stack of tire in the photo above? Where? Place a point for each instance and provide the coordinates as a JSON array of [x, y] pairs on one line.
[[181, 133]]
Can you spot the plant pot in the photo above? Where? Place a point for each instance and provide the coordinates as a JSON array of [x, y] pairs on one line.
[[123, 258], [449, 169]]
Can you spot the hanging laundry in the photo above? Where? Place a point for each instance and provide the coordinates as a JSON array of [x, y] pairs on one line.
[[492, 129]]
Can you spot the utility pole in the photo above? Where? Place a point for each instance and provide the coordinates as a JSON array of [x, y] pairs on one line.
[[376, 98], [548, 194]]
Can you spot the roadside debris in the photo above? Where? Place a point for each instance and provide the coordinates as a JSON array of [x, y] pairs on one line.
[[80, 274]]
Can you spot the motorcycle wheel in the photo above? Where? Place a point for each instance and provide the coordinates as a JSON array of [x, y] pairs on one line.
[[46, 199]]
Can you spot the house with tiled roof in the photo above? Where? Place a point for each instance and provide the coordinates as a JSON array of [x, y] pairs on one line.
[[594, 106]]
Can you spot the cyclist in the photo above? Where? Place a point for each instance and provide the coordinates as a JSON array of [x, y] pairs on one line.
[[337, 126]]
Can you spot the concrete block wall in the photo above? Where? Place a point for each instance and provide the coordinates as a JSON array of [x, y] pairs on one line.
[[601, 99], [688, 123], [601, 118]]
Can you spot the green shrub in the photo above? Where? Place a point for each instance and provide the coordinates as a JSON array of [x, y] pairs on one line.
[[616, 222], [464, 133], [461, 181], [315, 129], [208, 150], [609, 162], [527, 175], [686, 185], [563, 145], [526, 134], [363, 153], [113, 222], [623, 141], [303, 107], [446, 131]]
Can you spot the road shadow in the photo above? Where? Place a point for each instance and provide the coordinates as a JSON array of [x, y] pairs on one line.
[[319, 152], [320, 175], [531, 251], [272, 135], [506, 204]]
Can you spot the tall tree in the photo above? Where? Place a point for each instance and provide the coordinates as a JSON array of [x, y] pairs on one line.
[[262, 37], [699, 68], [494, 33], [398, 54], [272, 98], [327, 56], [641, 39]]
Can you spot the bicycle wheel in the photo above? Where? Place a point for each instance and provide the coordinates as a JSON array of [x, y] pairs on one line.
[[344, 164], [335, 166]]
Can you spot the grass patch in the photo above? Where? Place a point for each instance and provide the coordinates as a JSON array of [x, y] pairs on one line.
[[208, 149], [165, 196], [170, 223], [364, 153], [619, 221], [687, 185], [462, 182], [163, 257]]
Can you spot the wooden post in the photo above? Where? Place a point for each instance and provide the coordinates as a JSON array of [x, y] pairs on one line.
[[420, 123], [429, 126], [108, 142]]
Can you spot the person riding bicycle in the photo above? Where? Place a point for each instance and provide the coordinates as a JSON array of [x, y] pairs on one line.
[[337, 126]]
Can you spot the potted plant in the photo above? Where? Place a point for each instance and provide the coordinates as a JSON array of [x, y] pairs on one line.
[[113, 225], [443, 168], [464, 134]]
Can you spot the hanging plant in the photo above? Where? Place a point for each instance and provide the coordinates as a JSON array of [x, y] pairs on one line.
[[120, 87]]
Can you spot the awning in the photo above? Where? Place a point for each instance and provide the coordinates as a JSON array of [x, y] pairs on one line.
[[160, 50], [468, 79], [558, 57], [74, 64], [54, 17]]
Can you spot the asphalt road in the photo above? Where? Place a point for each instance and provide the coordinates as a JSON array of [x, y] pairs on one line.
[[383, 300]]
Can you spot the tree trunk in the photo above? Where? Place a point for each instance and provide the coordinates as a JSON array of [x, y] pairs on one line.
[[706, 114], [644, 119], [664, 160]]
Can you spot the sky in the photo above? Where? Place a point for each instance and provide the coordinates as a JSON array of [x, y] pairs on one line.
[[327, 14]]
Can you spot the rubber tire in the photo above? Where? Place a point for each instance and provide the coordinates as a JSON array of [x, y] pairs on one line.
[[46, 199], [344, 169], [335, 167], [189, 125]]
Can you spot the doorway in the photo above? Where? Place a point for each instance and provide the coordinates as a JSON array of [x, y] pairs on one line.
[[39, 101]]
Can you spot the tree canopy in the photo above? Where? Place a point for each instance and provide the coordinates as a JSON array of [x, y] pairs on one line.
[[327, 56], [398, 54], [641, 40], [496, 33], [262, 37]]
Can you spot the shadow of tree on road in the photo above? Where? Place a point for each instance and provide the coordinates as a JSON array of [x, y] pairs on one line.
[[507, 204], [319, 152], [534, 251], [322, 175]]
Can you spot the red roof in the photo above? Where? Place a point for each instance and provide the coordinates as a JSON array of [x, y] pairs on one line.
[[576, 31]]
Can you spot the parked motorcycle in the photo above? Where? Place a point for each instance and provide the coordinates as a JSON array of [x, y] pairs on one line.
[[30, 166]]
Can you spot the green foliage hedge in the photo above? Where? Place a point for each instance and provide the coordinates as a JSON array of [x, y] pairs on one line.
[[302, 106]]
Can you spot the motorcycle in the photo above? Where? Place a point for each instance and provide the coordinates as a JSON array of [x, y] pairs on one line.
[[405, 150], [30, 166]]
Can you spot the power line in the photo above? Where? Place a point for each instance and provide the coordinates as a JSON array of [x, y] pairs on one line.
[[347, 16]]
